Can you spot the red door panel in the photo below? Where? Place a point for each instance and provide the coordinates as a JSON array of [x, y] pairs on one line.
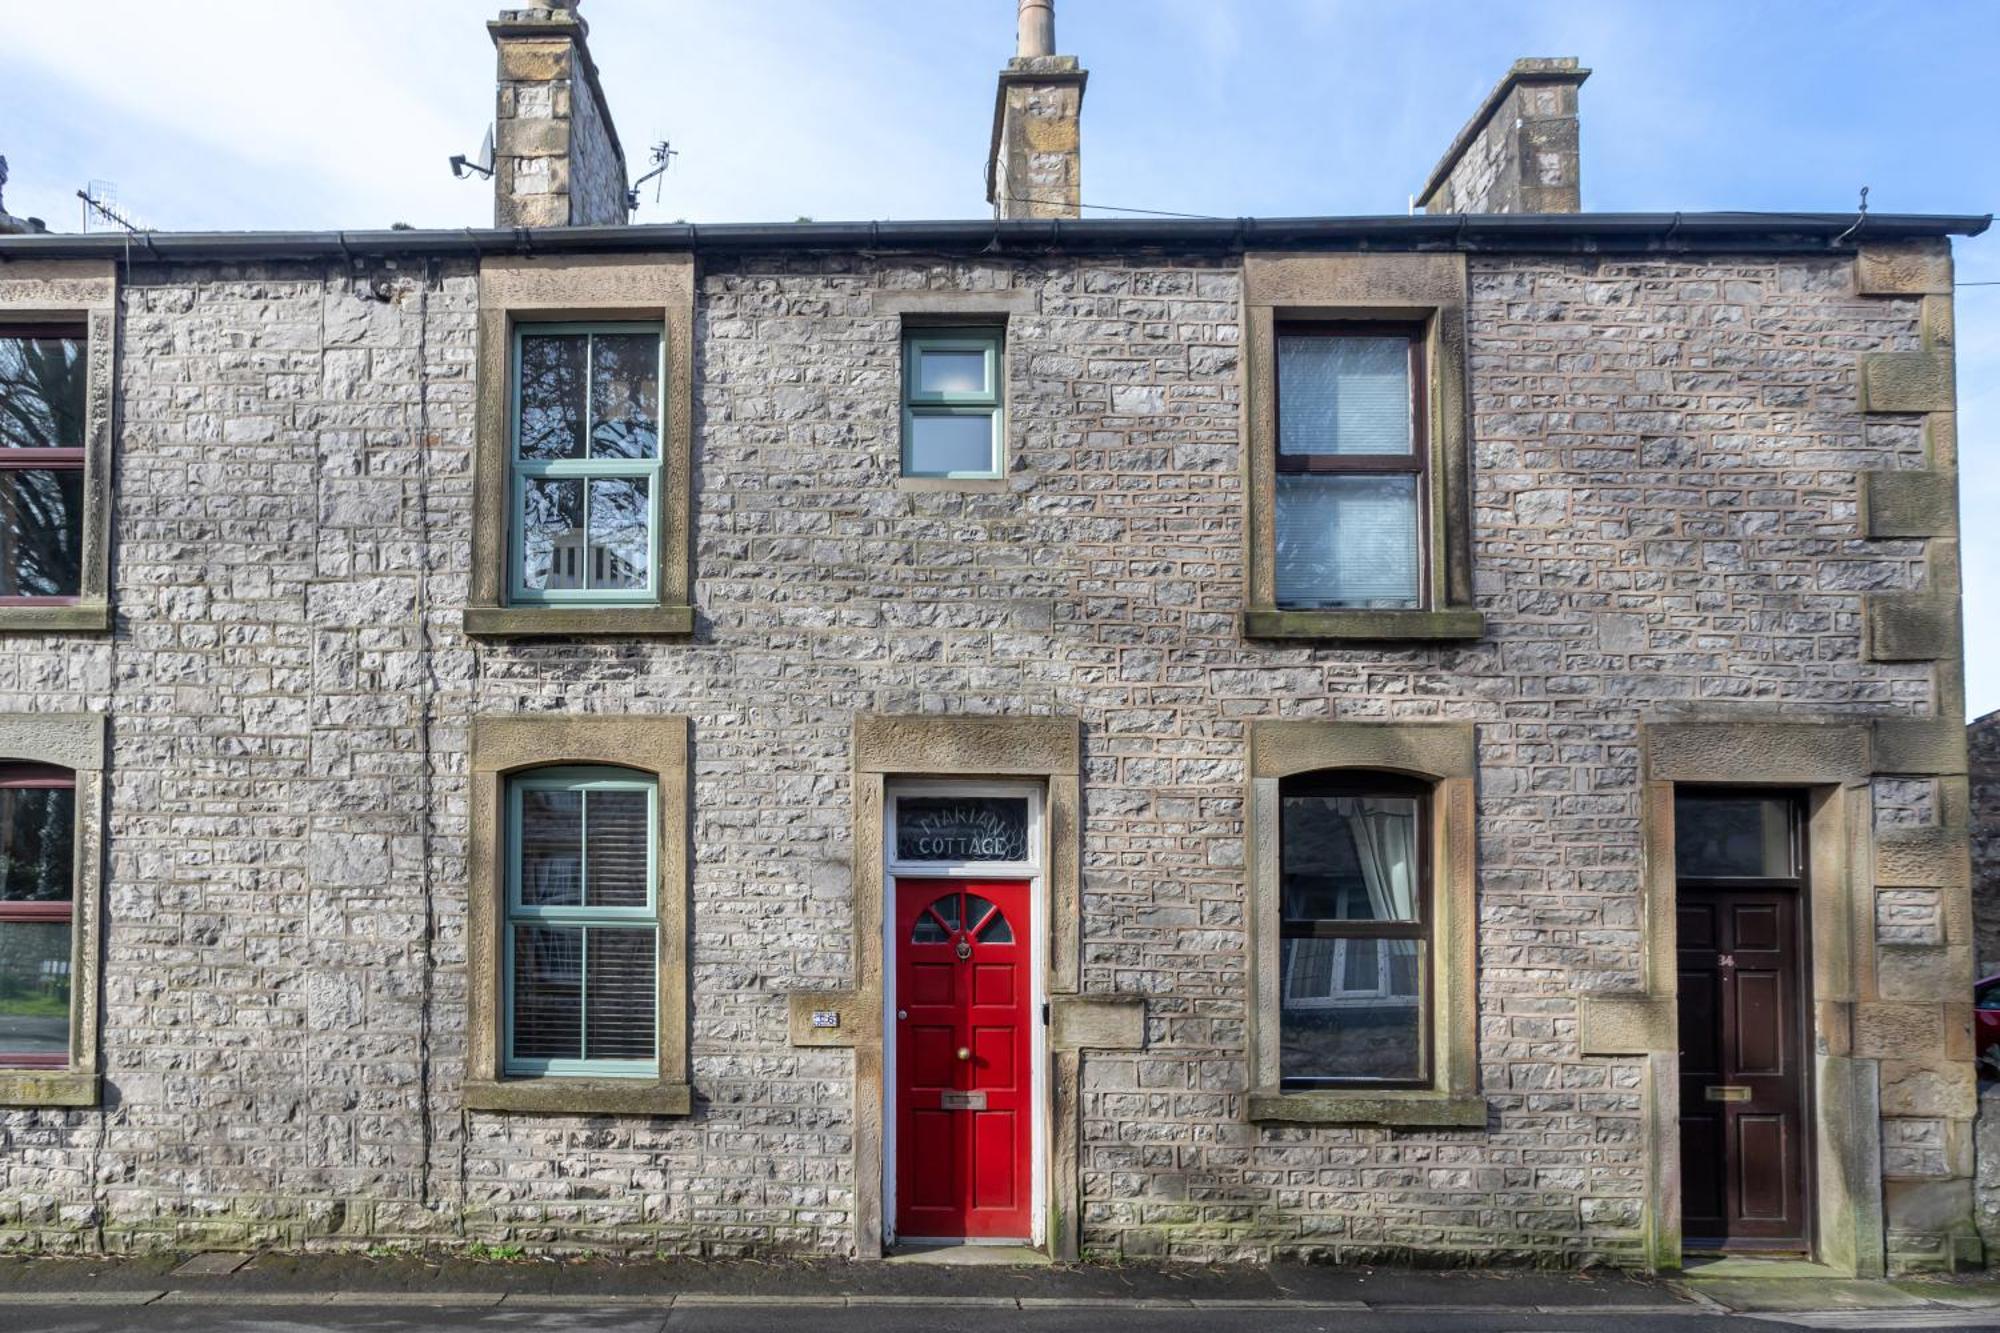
[[962, 1036]]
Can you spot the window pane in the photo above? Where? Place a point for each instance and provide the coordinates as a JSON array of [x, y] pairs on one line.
[[548, 992], [37, 829], [1733, 837], [616, 836], [1343, 395], [961, 828], [42, 393], [41, 532], [552, 394], [1347, 541], [1351, 1010], [953, 370], [620, 519], [34, 988], [1349, 858], [620, 994], [951, 444], [551, 848], [552, 553], [625, 395]]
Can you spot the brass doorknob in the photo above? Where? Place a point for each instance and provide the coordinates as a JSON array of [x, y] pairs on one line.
[[965, 1052]]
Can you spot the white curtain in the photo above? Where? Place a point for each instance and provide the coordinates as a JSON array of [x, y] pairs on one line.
[[1386, 842]]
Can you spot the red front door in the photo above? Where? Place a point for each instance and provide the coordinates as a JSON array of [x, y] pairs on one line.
[[964, 1133]]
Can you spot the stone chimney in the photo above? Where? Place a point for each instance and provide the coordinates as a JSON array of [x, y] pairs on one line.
[[9, 224], [556, 159], [1035, 166], [1518, 153]]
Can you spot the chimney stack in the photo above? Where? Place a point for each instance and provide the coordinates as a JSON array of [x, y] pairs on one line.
[[1518, 153], [556, 157], [1035, 166]]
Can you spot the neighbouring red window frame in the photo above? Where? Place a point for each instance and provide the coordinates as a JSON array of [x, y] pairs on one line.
[[40, 777], [65, 458]]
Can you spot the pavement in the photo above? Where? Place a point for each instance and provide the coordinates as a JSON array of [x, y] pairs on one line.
[[222, 1292]]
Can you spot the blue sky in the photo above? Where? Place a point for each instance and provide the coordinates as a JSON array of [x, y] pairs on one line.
[[238, 114]]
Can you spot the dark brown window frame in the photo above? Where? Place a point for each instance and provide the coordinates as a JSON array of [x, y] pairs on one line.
[[1416, 463], [1351, 782], [24, 776], [61, 458]]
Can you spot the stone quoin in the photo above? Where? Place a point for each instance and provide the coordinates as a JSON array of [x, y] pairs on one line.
[[1217, 740]]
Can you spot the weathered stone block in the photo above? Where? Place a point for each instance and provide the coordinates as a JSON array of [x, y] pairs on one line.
[[1909, 268], [1910, 627], [1906, 382], [1909, 504]]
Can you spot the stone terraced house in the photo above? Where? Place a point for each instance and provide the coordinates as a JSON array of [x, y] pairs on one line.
[[1433, 737]]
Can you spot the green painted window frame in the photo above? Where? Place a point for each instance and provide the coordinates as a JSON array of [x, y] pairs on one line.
[[577, 779], [988, 404], [520, 471]]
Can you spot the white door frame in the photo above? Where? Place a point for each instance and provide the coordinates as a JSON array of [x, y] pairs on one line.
[[1031, 870]]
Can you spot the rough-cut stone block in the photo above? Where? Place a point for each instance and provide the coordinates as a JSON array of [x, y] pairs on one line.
[[1919, 745], [857, 1018], [1910, 627], [1909, 504], [1890, 1031], [1097, 1022], [1939, 856], [1906, 382], [1923, 972], [1626, 1025], [1907, 268]]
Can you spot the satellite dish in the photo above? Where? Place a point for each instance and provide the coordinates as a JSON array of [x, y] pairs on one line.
[[484, 166]]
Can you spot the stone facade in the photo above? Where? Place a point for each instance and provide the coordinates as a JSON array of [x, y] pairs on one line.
[[1665, 463]]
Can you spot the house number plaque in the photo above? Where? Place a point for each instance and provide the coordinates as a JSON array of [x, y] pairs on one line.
[[962, 1101], [826, 1018]]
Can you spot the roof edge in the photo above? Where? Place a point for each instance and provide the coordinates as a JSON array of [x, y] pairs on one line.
[[1552, 233]]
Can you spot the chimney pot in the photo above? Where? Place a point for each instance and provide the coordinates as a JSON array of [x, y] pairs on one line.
[[1035, 26]]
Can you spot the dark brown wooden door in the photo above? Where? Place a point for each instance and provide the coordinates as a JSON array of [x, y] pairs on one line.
[[1743, 1077]]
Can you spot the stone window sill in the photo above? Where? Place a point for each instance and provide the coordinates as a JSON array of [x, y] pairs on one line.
[[1448, 624], [1420, 1109], [47, 1087], [977, 485], [572, 622], [579, 1096], [66, 617]]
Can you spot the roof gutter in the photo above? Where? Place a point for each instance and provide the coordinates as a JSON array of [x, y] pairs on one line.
[[1544, 233]]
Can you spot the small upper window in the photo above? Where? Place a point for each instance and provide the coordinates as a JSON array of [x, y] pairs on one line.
[[43, 375], [951, 403], [1354, 938], [586, 462], [1350, 468], [582, 939], [37, 914], [1731, 836]]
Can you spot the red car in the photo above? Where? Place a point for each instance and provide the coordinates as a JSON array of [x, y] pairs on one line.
[[1986, 1025]]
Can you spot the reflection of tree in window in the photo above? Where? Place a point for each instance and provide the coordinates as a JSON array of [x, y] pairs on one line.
[[587, 452], [43, 378], [37, 903]]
